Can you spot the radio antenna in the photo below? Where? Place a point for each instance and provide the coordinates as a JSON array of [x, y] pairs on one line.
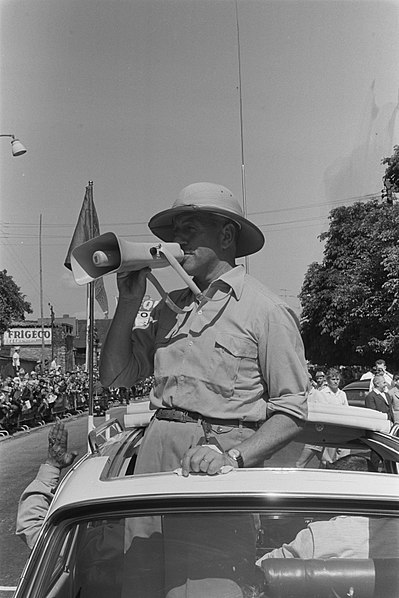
[[243, 185]]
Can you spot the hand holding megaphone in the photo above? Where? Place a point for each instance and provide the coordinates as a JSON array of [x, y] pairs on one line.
[[108, 254]]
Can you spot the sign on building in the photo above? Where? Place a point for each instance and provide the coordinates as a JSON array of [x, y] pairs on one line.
[[27, 336]]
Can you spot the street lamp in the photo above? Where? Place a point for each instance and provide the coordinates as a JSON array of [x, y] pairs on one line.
[[18, 149]]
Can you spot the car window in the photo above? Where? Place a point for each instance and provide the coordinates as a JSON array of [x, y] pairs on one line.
[[62, 562], [231, 554]]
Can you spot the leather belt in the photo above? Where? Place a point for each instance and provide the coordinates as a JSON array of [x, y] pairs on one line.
[[180, 415]]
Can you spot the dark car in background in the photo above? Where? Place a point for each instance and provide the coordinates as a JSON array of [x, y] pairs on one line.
[[356, 392]]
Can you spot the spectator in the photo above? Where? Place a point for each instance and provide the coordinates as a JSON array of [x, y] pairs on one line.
[[320, 378], [371, 372], [379, 399], [16, 363], [329, 393], [5, 406], [123, 395], [38, 367], [380, 368], [35, 500], [394, 394]]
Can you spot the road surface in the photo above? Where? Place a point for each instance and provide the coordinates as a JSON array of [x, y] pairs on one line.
[[20, 457]]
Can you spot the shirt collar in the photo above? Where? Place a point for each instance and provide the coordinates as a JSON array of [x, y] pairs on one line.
[[234, 279]]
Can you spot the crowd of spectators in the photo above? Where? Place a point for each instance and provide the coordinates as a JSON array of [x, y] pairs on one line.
[[30, 398], [352, 373], [348, 373], [33, 398]]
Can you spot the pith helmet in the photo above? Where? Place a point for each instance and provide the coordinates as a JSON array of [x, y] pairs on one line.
[[213, 199]]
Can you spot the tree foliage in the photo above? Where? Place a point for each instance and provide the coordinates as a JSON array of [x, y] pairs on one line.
[[12, 303], [391, 177], [351, 300]]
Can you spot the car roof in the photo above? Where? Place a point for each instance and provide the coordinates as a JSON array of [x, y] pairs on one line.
[[265, 482], [262, 482], [105, 475], [358, 384]]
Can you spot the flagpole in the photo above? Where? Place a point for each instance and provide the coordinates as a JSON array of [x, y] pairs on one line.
[[243, 185], [91, 350], [41, 290], [90, 317], [87, 228], [87, 328]]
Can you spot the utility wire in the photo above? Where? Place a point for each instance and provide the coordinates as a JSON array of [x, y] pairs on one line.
[[339, 202]]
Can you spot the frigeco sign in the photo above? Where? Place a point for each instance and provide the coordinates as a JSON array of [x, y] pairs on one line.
[[27, 336]]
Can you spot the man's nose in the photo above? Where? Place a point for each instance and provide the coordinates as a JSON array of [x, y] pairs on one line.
[[179, 238]]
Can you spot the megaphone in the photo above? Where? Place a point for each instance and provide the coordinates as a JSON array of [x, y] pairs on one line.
[[107, 254]]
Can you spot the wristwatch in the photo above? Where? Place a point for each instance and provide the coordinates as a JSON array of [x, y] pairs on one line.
[[236, 456]]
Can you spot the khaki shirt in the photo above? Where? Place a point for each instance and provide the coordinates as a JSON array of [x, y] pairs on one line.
[[236, 355]]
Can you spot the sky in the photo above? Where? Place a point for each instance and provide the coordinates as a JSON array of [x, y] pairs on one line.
[[143, 97]]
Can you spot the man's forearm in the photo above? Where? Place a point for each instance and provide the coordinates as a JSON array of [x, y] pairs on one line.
[[272, 436], [117, 350]]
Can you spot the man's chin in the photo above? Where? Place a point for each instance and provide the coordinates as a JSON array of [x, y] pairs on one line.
[[188, 271], [187, 265]]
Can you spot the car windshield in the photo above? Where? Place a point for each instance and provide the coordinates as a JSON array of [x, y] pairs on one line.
[[229, 554]]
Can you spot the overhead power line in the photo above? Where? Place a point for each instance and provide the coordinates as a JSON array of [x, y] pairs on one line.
[[257, 213]]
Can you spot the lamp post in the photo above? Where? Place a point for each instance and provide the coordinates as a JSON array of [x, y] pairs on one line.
[[18, 149]]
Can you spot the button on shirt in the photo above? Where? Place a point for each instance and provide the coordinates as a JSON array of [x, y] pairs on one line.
[[233, 356], [337, 398]]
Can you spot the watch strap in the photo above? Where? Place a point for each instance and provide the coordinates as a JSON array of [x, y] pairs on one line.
[[236, 456]]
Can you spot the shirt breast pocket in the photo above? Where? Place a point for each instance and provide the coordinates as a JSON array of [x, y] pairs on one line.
[[233, 356]]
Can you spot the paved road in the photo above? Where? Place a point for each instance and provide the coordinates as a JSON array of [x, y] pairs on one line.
[[20, 457]]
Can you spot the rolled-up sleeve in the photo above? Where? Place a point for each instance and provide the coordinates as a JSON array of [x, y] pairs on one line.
[[283, 364]]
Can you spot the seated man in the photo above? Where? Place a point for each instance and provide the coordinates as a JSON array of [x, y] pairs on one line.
[[344, 536]]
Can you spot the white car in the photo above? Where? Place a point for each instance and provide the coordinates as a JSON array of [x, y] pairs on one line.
[[112, 534]]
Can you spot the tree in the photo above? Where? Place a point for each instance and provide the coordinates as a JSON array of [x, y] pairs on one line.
[[351, 300], [391, 177], [12, 303]]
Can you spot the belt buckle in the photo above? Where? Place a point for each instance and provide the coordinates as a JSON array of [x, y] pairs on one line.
[[177, 415], [182, 416]]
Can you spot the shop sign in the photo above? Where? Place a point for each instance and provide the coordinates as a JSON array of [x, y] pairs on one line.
[[27, 336]]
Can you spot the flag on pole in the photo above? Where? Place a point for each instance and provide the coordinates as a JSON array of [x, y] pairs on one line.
[[86, 228], [101, 295]]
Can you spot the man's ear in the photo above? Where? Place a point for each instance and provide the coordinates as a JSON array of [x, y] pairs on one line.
[[228, 235]]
